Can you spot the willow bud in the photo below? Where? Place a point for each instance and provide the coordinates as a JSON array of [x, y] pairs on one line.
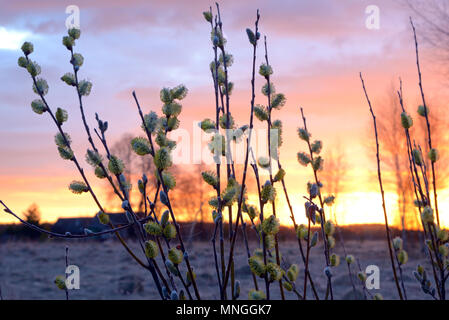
[[427, 215], [169, 231], [268, 192], [397, 243], [27, 48], [40, 87], [150, 122], [189, 277], [317, 163], [362, 276], [274, 271], [38, 106], [175, 256], [208, 16], [304, 159], [141, 146], [60, 282], [256, 265], [61, 116], [423, 111], [69, 78], [22, 62], [84, 87], [314, 239], [115, 165], [350, 259], [279, 175], [316, 146], [293, 272], [329, 200], [330, 242], [164, 218], [65, 153], [433, 155], [270, 225], [153, 228], [68, 42], [171, 267], [334, 260], [103, 218], [265, 70], [207, 124], [261, 113], [151, 249], [77, 60], [251, 36], [301, 232], [417, 157], [174, 295], [268, 89], [100, 173], [210, 178], [163, 197], [75, 33], [33, 68], [402, 257], [278, 101], [329, 228], [304, 134], [443, 235], [162, 158], [78, 187], [443, 250], [269, 241], [256, 295], [253, 212], [378, 296], [406, 120]]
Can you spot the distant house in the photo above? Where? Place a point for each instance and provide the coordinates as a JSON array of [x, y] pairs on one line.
[[77, 225]]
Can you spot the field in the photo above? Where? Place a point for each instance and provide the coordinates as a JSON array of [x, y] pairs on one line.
[[28, 269]]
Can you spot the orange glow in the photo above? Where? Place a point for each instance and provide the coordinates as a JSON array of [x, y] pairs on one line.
[[316, 61]]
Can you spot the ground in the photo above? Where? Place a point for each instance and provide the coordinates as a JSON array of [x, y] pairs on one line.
[[28, 269]]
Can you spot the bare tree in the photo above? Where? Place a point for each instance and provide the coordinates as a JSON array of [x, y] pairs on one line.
[[135, 166], [335, 172], [432, 19], [392, 138], [395, 158]]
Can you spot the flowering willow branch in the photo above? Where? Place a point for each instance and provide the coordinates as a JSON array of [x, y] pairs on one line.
[[436, 240], [296, 227], [426, 115], [162, 158], [253, 37], [262, 233], [40, 86], [327, 228], [270, 155], [218, 220], [77, 61]]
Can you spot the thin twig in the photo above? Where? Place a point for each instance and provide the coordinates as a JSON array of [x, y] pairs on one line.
[[379, 176]]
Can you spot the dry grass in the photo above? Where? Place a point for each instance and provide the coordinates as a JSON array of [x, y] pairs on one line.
[[27, 270]]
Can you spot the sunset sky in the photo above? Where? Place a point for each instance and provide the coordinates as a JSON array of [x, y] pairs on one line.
[[316, 47]]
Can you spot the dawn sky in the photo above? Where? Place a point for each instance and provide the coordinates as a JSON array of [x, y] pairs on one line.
[[316, 48]]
